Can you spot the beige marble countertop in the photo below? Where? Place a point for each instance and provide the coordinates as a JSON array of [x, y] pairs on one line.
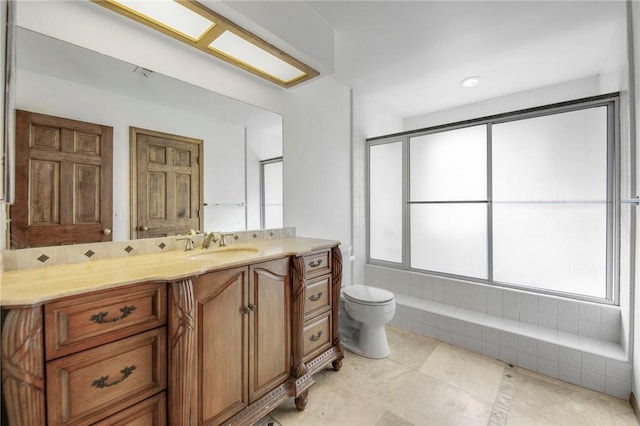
[[28, 287]]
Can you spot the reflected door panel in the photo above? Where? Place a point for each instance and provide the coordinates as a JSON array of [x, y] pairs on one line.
[[63, 181], [167, 184]]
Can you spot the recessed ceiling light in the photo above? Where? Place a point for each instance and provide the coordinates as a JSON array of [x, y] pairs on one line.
[[470, 81]]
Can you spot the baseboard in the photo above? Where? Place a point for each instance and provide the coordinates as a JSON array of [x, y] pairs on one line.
[[634, 404]]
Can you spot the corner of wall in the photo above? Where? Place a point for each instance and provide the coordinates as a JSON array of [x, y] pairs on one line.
[[633, 38], [369, 120]]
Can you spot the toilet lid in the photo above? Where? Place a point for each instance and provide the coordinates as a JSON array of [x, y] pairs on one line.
[[365, 294]]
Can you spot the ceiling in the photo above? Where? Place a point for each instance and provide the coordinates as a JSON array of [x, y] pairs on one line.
[[410, 56]]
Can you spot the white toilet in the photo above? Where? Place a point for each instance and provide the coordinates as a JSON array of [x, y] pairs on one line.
[[364, 311]]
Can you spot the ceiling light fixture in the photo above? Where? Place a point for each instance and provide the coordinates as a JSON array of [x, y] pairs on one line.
[[470, 81], [198, 26]]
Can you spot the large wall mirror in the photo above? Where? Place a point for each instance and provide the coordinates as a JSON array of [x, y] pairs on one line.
[[63, 80]]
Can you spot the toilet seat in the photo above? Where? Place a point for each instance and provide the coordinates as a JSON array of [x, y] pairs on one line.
[[366, 295]]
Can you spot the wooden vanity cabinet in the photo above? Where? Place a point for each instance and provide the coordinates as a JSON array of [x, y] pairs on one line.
[[223, 347], [105, 352], [316, 302], [88, 386], [81, 359], [317, 316], [89, 320], [150, 412], [243, 335]]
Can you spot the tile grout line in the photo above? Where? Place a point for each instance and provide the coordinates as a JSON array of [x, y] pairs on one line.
[[502, 403]]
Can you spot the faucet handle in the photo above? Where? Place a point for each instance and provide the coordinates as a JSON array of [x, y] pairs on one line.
[[223, 239], [189, 239]]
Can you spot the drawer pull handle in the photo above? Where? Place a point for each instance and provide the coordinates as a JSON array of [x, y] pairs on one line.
[[315, 337], [315, 263], [102, 381], [99, 318], [315, 297]]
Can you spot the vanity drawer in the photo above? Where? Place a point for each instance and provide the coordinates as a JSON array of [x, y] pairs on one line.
[[82, 322], [317, 296], [316, 336], [317, 263], [150, 412], [91, 385]]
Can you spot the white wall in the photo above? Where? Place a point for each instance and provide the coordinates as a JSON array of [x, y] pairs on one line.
[[635, 9], [317, 144]]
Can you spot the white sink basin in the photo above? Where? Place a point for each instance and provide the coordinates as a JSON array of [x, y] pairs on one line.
[[220, 251]]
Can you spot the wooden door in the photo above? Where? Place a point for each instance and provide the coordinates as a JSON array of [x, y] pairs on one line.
[[221, 300], [270, 328], [63, 181], [166, 184]]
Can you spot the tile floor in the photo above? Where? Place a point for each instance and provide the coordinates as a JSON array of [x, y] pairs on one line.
[[427, 382]]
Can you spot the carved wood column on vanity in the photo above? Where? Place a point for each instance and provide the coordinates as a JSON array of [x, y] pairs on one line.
[[336, 283], [23, 367], [297, 315], [182, 341], [299, 369]]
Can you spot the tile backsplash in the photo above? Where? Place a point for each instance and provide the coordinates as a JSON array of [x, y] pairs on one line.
[[79, 253]]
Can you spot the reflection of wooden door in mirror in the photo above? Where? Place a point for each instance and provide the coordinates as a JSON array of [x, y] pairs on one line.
[[166, 184], [63, 181]]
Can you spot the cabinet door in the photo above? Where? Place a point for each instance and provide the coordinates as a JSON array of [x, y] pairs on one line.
[[222, 334], [270, 330]]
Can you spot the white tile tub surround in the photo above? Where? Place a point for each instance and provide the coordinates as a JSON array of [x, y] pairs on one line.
[[48, 256], [575, 341]]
